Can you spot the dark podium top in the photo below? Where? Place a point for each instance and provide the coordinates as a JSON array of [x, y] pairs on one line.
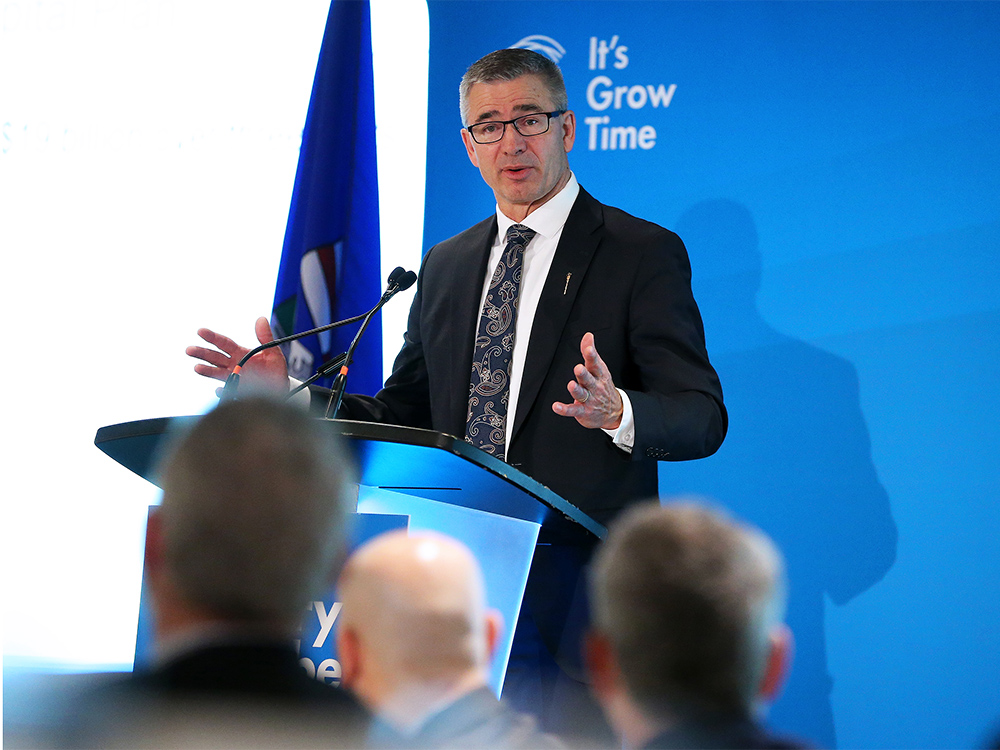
[[411, 461]]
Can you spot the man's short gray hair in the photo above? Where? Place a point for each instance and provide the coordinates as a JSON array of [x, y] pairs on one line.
[[688, 598], [507, 65], [254, 508]]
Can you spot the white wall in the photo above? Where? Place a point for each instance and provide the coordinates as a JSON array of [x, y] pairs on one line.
[[147, 154]]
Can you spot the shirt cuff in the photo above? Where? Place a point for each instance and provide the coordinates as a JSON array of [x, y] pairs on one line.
[[624, 436]]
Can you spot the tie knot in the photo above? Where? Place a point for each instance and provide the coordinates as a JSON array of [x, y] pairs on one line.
[[520, 234]]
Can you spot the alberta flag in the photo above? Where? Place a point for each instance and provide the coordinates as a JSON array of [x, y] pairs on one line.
[[330, 266]]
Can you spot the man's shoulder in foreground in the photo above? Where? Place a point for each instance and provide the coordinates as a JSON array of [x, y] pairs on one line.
[[254, 690], [722, 734], [477, 720]]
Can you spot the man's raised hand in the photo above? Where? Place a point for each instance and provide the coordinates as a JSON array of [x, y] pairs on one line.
[[596, 401], [266, 370]]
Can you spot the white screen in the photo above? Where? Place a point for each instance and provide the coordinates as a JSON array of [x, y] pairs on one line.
[[147, 156]]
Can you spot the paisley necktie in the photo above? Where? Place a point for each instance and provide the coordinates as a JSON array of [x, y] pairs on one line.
[[489, 388]]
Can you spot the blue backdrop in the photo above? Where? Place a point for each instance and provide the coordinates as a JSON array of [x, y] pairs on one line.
[[834, 169]]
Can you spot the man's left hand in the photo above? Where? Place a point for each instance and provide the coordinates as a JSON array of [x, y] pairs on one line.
[[596, 401]]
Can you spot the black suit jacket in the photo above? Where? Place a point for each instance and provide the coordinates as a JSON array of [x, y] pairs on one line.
[[253, 694], [723, 733], [627, 281]]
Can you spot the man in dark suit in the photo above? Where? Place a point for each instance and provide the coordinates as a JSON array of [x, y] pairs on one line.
[[688, 644], [250, 529], [604, 312], [556, 295]]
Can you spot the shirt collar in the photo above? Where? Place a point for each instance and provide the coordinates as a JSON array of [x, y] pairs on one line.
[[548, 218]]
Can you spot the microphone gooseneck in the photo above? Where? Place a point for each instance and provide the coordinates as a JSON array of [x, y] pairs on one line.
[[398, 280]]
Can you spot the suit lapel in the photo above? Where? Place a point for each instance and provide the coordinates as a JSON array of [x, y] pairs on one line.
[[579, 241]]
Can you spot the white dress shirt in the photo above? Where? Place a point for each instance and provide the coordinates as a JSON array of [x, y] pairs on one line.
[[547, 221]]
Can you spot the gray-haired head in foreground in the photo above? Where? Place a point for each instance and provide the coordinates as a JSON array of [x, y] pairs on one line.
[[688, 597], [254, 507], [507, 65]]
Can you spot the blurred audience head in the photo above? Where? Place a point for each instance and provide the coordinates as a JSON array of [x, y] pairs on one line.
[[688, 607], [415, 633], [252, 522]]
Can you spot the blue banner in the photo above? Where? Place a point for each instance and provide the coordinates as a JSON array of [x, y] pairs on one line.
[[330, 266], [834, 171]]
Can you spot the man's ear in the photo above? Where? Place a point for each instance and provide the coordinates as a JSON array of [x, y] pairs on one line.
[[494, 629], [779, 659], [154, 552], [602, 666], [349, 656], [568, 130], [470, 147]]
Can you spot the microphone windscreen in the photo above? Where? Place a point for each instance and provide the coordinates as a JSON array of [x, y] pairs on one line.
[[395, 274], [406, 280]]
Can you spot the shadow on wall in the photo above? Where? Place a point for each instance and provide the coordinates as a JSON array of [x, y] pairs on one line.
[[797, 460]]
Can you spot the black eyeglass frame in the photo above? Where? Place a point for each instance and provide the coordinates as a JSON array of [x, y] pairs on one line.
[[505, 123]]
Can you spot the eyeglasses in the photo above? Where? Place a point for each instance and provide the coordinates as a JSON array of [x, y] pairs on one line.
[[527, 125]]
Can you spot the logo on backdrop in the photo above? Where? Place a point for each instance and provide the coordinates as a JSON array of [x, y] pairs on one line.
[[543, 45], [610, 95]]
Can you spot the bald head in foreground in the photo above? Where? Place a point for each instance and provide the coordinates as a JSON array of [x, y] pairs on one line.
[[688, 644], [415, 640]]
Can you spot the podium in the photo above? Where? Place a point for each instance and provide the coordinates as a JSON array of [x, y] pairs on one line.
[[437, 482]]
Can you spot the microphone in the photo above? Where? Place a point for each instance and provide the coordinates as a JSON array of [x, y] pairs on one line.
[[406, 280], [398, 280], [394, 276]]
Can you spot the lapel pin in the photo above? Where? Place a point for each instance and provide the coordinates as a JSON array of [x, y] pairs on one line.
[[565, 288]]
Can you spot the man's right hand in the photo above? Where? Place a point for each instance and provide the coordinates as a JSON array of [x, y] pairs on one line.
[[264, 371]]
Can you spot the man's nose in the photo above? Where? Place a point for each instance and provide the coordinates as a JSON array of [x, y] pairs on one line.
[[512, 141]]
